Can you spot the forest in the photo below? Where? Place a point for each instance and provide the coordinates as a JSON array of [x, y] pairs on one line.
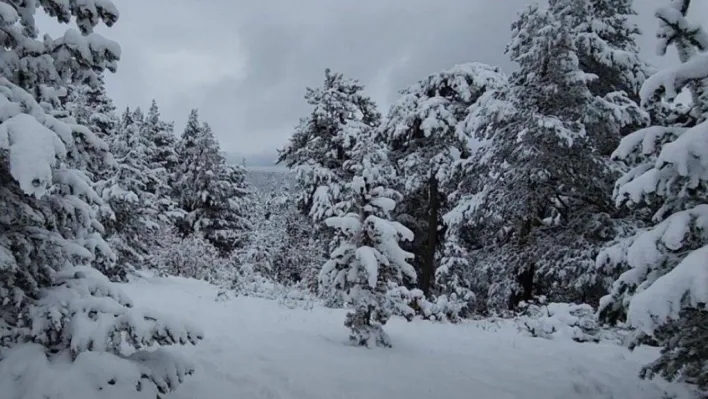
[[568, 197]]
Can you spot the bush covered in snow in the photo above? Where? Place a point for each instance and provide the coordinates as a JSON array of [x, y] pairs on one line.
[[560, 321], [192, 256], [411, 303]]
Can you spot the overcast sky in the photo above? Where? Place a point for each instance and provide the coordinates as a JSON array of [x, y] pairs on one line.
[[245, 63]]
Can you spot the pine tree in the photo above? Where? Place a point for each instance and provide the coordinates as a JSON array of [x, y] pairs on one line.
[[133, 227], [663, 293], [162, 159], [298, 255], [55, 303], [91, 107], [538, 210], [604, 40], [213, 194], [423, 133], [323, 142], [162, 134], [368, 257]]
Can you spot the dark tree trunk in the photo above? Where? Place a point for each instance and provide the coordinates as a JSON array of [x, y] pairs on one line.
[[428, 271], [525, 275]]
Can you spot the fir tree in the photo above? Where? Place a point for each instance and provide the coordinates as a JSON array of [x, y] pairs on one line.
[[92, 107], [323, 142], [54, 304], [368, 257], [538, 209], [133, 227], [423, 133], [213, 194], [161, 133], [161, 156], [663, 293]]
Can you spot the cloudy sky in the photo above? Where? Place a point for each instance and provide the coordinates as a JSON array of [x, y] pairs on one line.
[[245, 63]]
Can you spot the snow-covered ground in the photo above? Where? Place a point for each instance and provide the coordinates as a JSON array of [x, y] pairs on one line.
[[257, 348]]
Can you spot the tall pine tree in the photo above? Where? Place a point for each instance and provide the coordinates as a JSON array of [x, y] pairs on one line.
[[538, 210], [323, 142], [55, 303], [212, 193], [663, 293], [425, 140]]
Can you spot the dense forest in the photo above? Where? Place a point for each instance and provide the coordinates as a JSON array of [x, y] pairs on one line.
[[577, 182]]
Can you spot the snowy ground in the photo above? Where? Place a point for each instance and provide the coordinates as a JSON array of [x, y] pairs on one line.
[[257, 349]]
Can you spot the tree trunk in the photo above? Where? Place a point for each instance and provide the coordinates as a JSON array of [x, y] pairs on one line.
[[525, 276], [428, 271]]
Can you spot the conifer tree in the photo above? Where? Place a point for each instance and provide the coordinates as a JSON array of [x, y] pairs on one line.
[[162, 159], [323, 142], [55, 303], [213, 194], [537, 210], [133, 227], [93, 108], [663, 294], [368, 257], [423, 133], [161, 133]]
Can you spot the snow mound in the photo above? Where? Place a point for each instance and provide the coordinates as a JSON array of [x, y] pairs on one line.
[[567, 321]]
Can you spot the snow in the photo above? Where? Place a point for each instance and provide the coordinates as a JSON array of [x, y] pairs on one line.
[[32, 149], [675, 78], [689, 153], [369, 258], [562, 321], [8, 15], [686, 285], [255, 348]]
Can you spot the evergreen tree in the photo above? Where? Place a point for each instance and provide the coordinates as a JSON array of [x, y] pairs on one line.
[[133, 227], [298, 254], [161, 133], [368, 257], [538, 212], [91, 107], [663, 294], [424, 136], [55, 305], [604, 40], [162, 159], [323, 142], [213, 194]]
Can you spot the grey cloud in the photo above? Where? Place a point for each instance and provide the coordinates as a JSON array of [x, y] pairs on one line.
[[246, 63]]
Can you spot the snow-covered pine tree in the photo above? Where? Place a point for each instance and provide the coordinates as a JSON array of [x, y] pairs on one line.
[[452, 278], [321, 145], [538, 207], [162, 160], [604, 39], [663, 294], [298, 254], [133, 227], [423, 135], [213, 194], [368, 257], [162, 134], [91, 107], [57, 314]]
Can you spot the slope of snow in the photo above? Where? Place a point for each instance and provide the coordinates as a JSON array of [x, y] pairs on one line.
[[256, 348]]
